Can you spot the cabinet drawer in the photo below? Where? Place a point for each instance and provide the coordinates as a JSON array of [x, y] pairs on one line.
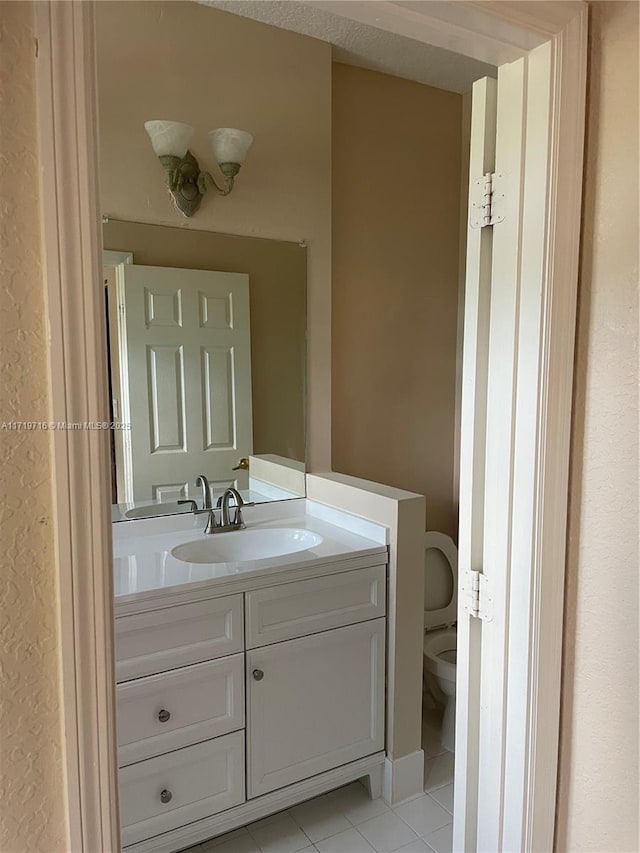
[[165, 639], [306, 607], [164, 712], [172, 790]]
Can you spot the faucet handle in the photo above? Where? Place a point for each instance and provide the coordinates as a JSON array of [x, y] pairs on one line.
[[212, 522], [194, 505]]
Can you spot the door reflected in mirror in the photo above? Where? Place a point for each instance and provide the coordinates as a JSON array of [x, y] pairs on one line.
[[207, 361]]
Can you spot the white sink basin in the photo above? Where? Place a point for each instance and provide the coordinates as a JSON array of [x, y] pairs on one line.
[[244, 545]]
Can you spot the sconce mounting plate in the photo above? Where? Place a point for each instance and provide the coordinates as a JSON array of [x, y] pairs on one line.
[[183, 181]]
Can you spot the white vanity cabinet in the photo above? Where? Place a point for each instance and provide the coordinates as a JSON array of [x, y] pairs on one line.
[[234, 706]]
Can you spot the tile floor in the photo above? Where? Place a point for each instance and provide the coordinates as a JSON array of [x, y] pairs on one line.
[[347, 821]]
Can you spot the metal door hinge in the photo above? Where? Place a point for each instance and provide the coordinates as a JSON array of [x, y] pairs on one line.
[[477, 600], [487, 200]]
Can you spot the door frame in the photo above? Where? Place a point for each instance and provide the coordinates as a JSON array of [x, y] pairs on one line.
[[494, 32]]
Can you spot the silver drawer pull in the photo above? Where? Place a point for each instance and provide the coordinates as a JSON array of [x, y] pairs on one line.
[[164, 716], [258, 674], [166, 796]]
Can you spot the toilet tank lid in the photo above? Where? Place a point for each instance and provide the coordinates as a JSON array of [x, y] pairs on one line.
[[445, 615]]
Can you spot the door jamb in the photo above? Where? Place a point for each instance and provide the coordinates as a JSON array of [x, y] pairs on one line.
[[72, 265], [72, 260]]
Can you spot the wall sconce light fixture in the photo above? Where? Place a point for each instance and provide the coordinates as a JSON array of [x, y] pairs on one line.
[[187, 184]]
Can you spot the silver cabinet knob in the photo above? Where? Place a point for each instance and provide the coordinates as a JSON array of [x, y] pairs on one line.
[[166, 796], [258, 674], [164, 716]]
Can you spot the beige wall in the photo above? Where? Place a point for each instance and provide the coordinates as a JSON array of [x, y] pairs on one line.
[[598, 790], [278, 303], [32, 811], [209, 68], [396, 207]]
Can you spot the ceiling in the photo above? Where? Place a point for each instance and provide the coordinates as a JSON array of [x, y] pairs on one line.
[[364, 44]]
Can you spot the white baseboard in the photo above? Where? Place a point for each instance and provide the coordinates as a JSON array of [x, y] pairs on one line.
[[403, 778]]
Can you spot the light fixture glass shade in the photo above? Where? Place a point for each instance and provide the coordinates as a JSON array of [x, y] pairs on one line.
[[169, 137], [230, 145]]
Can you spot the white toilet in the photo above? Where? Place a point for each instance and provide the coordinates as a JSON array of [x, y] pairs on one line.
[[440, 614]]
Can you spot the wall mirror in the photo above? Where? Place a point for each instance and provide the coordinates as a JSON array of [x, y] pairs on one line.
[[207, 346], [208, 302]]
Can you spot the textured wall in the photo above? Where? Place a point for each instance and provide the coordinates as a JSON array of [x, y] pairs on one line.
[[395, 244], [208, 68], [598, 792], [32, 814]]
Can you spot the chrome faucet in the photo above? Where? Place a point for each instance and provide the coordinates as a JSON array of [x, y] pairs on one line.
[[238, 521], [201, 480], [226, 525]]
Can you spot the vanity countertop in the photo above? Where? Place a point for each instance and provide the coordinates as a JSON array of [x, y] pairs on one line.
[[146, 573]]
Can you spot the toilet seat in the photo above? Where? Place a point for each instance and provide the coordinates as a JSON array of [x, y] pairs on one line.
[[443, 616]]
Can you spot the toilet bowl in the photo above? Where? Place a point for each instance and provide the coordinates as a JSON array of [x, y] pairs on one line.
[[440, 610], [440, 664]]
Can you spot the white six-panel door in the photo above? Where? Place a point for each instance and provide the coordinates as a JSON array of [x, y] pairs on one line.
[[188, 363]]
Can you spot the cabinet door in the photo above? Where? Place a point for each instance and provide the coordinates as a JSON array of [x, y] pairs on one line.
[[314, 703]]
